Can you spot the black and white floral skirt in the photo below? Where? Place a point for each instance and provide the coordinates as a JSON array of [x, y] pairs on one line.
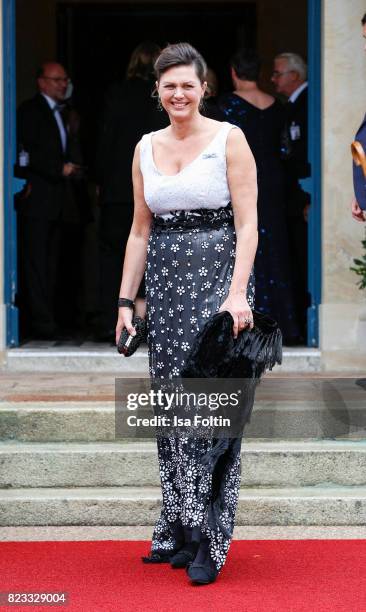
[[190, 263]]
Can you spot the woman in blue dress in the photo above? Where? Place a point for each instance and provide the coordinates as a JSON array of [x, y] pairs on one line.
[[262, 120], [195, 229]]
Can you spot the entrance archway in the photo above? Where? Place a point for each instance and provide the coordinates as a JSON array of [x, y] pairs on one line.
[[210, 12]]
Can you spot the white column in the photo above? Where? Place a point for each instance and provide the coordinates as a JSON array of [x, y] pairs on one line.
[[344, 105]]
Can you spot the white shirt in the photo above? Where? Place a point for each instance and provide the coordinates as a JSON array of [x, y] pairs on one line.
[[61, 127], [295, 94]]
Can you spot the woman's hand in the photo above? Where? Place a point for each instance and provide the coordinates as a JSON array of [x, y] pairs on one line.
[[124, 321], [240, 310], [357, 213]]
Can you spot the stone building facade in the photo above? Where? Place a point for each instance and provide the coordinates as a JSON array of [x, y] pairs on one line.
[[342, 314]]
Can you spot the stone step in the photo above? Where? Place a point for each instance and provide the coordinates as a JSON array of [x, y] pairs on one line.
[[96, 359], [282, 418], [135, 506], [114, 464], [97, 533], [55, 421]]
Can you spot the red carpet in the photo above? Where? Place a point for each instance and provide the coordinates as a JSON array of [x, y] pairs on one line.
[[259, 576]]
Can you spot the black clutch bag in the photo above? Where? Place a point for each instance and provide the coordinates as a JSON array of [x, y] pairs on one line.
[[127, 344], [216, 354]]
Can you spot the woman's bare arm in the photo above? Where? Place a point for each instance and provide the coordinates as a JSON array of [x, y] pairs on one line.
[[242, 180], [136, 249]]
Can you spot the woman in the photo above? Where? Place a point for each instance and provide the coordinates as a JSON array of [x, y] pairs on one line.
[[184, 179], [262, 120]]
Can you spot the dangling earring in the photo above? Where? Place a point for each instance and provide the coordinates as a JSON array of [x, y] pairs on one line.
[[201, 105], [159, 105], [155, 94]]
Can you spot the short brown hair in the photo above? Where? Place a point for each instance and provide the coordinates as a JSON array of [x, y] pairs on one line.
[[180, 54]]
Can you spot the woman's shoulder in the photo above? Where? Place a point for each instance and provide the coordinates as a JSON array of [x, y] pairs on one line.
[[266, 98], [143, 143], [148, 136], [218, 126], [157, 134]]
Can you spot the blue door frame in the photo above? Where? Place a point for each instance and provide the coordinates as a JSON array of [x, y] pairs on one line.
[[12, 185], [314, 226]]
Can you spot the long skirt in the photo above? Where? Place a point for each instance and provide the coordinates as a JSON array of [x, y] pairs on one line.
[[190, 264]]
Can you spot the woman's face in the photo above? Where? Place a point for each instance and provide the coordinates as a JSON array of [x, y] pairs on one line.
[[180, 91]]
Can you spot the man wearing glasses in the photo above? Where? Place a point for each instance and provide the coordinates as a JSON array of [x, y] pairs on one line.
[[289, 78], [42, 135]]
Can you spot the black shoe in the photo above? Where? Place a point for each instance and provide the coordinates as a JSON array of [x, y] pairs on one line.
[[202, 573], [185, 555], [203, 569], [156, 557]]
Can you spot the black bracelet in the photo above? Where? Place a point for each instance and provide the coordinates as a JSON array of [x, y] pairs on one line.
[[124, 302]]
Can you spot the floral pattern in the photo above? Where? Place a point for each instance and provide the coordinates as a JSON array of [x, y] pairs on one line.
[[187, 279]]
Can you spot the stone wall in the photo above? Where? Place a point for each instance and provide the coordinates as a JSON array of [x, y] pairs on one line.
[[344, 95], [344, 105]]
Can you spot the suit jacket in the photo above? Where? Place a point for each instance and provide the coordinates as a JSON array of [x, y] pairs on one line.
[[297, 165], [39, 134], [297, 113], [129, 112], [359, 180]]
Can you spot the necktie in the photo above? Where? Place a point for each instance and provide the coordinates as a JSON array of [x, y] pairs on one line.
[[58, 107], [56, 111]]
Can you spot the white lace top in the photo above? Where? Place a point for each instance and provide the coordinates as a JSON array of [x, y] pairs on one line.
[[200, 184]]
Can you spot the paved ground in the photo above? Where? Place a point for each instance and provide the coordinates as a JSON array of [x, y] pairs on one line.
[[80, 342], [13, 534], [56, 386], [90, 387]]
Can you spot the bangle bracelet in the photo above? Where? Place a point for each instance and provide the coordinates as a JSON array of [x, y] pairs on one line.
[[125, 303]]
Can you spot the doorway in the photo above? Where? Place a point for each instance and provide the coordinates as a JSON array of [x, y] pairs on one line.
[[94, 39]]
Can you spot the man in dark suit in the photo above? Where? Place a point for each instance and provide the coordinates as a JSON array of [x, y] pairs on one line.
[[43, 135], [289, 78]]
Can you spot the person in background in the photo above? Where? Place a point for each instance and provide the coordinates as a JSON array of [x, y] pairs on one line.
[[262, 120], [72, 307], [289, 79], [43, 137], [210, 107], [358, 205], [129, 112]]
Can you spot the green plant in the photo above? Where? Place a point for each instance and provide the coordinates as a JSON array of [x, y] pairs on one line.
[[360, 267]]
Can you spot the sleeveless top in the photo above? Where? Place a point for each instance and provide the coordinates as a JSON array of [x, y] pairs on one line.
[[200, 184]]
